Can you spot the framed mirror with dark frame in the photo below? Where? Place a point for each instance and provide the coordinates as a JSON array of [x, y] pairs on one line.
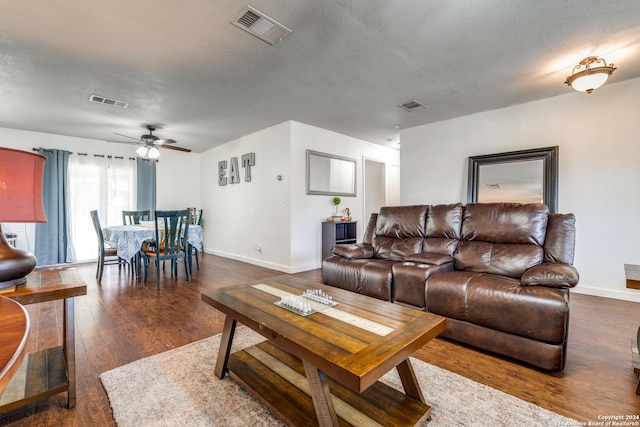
[[329, 174], [525, 176]]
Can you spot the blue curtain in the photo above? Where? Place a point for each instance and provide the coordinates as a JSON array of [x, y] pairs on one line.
[[146, 184], [53, 238]]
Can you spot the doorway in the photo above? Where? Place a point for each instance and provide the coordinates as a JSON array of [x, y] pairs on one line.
[[374, 188]]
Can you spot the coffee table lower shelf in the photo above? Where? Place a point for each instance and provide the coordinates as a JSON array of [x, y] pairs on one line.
[[277, 379]]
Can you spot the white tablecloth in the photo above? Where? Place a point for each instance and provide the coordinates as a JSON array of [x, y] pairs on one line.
[[128, 239]]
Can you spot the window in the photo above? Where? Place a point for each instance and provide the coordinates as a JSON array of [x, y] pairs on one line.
[[104, 183]]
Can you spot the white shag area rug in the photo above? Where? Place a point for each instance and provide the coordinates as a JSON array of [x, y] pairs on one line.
[[178, 388]]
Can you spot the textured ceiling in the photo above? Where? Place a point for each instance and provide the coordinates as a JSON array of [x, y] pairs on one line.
[[345, 67]]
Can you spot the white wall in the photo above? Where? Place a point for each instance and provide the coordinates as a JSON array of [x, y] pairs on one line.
[[277, 215], [308, 211], [239, 217], [173, 170], [599, 170]]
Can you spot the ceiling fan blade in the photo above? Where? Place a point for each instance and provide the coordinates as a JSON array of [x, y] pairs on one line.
[[126, 136], [165, 141], [173, 147], [127, 142]]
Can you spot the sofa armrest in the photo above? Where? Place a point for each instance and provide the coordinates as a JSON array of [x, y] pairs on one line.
[[551, 274], [353, 251], [429, 258]]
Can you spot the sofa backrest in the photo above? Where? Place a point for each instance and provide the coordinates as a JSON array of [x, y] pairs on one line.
[[399, 231], [502, 238], [370, 231], [498, 238], [442, 231], [560, 242]]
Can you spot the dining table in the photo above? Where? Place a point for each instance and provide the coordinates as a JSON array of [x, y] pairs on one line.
[[129, 239]]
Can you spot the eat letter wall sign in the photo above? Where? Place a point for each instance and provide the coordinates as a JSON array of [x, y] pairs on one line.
[[248, 160]]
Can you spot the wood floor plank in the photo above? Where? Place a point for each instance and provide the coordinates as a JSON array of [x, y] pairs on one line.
[[137, 320]]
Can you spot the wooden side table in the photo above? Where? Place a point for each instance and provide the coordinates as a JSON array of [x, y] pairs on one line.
[[53, 370]]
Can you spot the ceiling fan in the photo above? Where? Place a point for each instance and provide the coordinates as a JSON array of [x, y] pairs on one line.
[[151, 142]]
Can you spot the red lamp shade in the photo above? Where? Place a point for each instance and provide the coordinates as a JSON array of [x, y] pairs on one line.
[[21, 186], [21, 175]]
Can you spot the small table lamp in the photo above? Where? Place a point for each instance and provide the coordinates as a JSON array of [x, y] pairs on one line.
[[21, 175]]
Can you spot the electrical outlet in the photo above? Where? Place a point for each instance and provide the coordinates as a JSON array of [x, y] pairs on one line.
[[259, 248]]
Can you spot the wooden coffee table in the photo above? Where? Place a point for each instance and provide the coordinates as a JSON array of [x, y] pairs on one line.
[[323, 369]]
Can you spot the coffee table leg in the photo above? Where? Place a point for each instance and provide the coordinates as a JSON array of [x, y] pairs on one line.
[[409, 381], [321, 395], [225, 347]]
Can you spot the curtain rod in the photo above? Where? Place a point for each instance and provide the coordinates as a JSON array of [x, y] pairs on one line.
[[108, 156]]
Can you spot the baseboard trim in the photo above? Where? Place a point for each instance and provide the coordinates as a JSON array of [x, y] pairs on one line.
[[625, 295], [261, 263]]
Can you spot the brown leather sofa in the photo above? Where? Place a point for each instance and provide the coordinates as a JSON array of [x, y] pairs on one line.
[[499, 272]]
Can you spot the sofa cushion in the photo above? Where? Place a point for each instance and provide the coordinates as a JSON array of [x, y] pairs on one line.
[[496, 258], [505, 223], [401, 221], [442, 231], [501, 238], [396, 249], [399, 231]]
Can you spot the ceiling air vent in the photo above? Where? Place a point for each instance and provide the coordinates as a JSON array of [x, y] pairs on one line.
[[108, 101], [412, 105], [260, 25]]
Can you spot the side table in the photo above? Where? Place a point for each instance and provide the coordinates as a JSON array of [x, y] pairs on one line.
[[53, 370]]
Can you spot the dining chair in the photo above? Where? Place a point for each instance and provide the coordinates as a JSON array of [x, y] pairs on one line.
[[106, 254], [170, 226], [196, 219], [134, 217]]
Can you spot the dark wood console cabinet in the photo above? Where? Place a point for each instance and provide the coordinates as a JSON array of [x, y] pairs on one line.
[[337, 233]]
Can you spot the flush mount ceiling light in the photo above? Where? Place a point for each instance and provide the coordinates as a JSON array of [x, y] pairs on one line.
[[590, 74]]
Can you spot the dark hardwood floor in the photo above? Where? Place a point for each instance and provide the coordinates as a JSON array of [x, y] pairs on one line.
[[121, 321]]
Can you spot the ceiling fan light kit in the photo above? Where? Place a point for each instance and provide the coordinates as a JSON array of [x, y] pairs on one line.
[[591, 73], [142, 151], [153, 153]]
